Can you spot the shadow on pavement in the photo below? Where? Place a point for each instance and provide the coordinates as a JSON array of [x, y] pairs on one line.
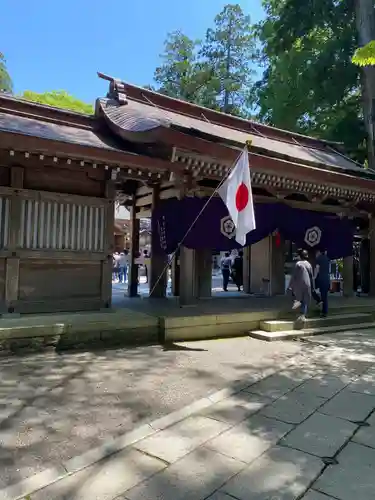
[[64, 405]]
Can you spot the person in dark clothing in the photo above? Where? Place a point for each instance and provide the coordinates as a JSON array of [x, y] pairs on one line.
[[301, 284], [226, 264], [322, 278], [237, 270]]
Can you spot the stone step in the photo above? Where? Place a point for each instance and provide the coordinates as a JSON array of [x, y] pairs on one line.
[[334, 310], [307, 332], [275, 325]]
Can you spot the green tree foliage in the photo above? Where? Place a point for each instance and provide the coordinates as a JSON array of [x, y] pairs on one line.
[[309, 83], [6, 84], [215, 73], [365, 56], [178, 74], [229, 49], [59, 99]]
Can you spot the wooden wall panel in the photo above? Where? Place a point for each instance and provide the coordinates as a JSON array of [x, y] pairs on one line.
[[60, 180], [2, 280], [52, 280]]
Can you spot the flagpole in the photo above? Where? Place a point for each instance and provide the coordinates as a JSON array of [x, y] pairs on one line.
[[248, 143]]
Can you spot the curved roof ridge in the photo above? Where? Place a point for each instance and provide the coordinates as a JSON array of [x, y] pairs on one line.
[[135, 92]]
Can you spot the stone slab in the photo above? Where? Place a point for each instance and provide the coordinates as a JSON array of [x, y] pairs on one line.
[[237, 407], [293, 407], [248, 440], [274, 386], [320, 435], [220, 496], [201, 332], [364, 384], [194, 477], [353, 477], [174, 442], [335, 320], [104, 480], [307, 332], [366, 435], [315, 495], [281, 473], [324, 386], [349, 405], [110, 447], [178, 415], [32, 483]]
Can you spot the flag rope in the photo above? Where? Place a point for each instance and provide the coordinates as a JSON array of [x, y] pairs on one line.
[[195, 220]]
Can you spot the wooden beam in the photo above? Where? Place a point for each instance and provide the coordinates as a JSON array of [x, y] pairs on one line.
[[145, 201], [266, 164], [21, 142]]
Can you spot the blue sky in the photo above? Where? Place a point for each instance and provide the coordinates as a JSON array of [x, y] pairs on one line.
[[53, 45]]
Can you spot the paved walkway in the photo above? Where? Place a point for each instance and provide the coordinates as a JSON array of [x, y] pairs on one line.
[[306, 431]]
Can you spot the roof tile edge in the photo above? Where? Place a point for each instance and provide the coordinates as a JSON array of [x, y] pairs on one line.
[[135, 92]]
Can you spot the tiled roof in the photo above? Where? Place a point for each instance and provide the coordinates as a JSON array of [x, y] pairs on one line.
[[137, 117], [47, 130]]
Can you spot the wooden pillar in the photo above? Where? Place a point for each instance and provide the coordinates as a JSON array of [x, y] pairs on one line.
[[246, 269], [260, 275], [158, 275], [364, 264], [134, 252], [187, 277], [372, 255], [175, 274], [277, 265], [203, 270], [348, 276], [109, 242], [12, 264]]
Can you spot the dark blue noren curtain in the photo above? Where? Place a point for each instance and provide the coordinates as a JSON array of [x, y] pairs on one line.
[[214, 228]]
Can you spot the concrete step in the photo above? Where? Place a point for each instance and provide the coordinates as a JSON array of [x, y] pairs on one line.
[[307, 332], [337, 319]]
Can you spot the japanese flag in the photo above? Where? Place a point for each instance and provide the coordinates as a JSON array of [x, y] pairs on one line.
[[236, 193]]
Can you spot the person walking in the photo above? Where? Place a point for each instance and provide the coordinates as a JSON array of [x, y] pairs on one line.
[[146, 263], [322, 278], [237, 270], [301, 284], [226, 265], [116, 266], [123, 266]]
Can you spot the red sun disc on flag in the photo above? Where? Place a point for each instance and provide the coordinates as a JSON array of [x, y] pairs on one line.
[[242, 197]]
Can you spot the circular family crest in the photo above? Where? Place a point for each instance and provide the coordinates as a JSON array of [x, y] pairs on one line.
[[313, 236], [227, 227]]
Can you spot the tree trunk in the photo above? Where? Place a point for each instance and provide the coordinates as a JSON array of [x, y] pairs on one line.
[[366, 32]]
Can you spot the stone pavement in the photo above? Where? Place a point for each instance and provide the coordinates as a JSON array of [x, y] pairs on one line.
[[304, 432], [55, 407]]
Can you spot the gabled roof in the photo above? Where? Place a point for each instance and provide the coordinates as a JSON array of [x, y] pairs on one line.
[[141, 115], [138, 121]]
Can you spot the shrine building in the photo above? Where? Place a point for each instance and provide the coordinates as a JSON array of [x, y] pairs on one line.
[[61, 173]]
